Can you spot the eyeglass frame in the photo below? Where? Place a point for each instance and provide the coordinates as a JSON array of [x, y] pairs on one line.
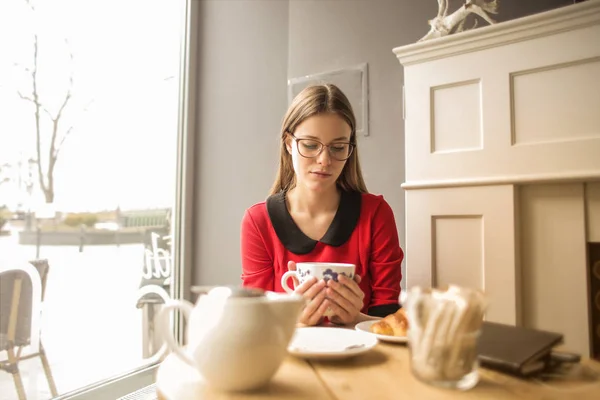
[[323, 145]]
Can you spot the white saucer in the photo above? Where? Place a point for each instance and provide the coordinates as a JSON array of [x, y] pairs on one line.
[[366, 325], [329, 343]]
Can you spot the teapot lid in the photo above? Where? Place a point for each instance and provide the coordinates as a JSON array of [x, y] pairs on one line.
[[228, 291]]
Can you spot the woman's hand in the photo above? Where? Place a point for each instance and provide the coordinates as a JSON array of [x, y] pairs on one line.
[[313, 291], [346, 299]]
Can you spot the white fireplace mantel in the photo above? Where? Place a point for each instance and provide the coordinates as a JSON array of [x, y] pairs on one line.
[[502, 150]]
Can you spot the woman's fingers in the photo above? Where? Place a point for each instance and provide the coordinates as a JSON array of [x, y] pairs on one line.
[[346, 303], [352, 284], [301, 289], [340, 314], [345, 290], [313, 291], [314, 310], [308, 289], [317, 316], [346, 299], [343, 298]]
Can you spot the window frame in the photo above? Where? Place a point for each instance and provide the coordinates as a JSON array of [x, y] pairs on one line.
[[183, 228]]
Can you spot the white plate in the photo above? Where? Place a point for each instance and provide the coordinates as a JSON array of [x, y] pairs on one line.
[[330, 343], [365, 326]]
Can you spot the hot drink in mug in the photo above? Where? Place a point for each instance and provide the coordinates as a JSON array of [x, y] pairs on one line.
[[320, 270]]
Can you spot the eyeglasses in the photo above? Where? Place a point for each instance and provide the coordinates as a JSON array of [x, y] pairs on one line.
[[311, 148]]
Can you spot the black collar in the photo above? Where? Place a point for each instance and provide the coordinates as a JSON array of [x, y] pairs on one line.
[[296, 241]]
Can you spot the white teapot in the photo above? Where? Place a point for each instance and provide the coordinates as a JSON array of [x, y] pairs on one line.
[[236, 337]]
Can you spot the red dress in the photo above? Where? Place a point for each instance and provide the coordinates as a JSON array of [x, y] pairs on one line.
[[363, 232]]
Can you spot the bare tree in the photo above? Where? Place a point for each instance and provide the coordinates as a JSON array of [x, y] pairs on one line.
[[47, 152]]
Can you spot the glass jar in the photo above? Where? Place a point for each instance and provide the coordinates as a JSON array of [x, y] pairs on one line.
[[444, 327], [449, 365]]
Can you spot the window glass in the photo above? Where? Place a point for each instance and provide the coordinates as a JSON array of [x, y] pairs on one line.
[[89, 93]]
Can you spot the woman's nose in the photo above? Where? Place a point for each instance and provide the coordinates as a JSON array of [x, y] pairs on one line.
[[324, 158]]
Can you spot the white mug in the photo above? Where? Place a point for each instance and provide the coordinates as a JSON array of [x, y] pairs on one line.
[[320, 270]]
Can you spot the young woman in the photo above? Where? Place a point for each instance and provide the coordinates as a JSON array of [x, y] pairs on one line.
[[319, 210]]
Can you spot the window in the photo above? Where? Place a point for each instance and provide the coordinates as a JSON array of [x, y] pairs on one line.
[[92, 160]]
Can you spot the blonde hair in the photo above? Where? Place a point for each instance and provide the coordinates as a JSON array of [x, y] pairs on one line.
[[314, 100]]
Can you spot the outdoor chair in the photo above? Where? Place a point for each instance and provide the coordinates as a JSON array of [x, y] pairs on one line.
[[22, 290]]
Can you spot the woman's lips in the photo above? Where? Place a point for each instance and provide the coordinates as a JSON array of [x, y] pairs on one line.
[[321, 174]]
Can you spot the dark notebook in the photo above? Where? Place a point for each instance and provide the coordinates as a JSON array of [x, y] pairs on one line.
[[515, 350]]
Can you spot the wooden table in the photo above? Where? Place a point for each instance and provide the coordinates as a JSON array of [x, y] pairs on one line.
[[382, 373]]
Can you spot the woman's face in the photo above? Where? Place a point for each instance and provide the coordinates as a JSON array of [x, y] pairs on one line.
[[320, 172]]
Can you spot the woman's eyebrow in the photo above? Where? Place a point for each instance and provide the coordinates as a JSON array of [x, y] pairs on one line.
[[316, 138]]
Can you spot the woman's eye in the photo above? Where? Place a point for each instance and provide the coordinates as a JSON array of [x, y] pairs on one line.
[[338, 148], [310, 146]]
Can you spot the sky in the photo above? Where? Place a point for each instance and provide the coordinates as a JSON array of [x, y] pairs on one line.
[[124, 107]]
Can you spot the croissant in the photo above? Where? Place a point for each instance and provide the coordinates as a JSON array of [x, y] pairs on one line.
[[392, 325]]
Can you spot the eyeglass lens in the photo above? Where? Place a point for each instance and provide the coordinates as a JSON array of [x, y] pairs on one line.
[[312, 148]]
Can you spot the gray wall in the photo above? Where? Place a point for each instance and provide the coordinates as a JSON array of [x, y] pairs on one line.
[[248, 50], [511, 9], [241, 100]]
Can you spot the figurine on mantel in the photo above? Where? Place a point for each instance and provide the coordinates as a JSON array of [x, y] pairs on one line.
[[445, 24]]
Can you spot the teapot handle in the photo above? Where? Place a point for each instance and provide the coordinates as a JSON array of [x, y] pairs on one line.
[[164, 322]]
